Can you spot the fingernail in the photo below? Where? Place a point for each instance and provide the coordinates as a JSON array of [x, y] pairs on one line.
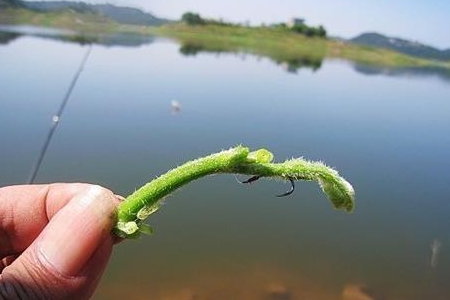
[[77, 230]]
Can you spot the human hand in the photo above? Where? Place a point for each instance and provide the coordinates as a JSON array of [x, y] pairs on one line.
[[55, 240]]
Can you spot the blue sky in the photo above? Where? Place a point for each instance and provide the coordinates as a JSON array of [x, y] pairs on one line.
[[427, 21]]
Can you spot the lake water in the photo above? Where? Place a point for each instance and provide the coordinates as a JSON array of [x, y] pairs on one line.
[[387, 133]]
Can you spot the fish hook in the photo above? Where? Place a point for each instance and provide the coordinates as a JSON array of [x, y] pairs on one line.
[[291, 190], [256, 177]]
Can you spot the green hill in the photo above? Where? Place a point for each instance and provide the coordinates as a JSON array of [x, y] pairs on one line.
[[128, 15], [123, 15], [401, 45]]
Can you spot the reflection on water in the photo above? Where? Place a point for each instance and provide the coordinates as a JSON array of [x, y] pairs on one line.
[[293, 65], [6, 37], [189, 49], [36, 30], [11, 32], [216, 239], [290, 64], [442, 73]]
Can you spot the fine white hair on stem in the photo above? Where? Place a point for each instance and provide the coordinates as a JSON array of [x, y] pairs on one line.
[[238, 160]]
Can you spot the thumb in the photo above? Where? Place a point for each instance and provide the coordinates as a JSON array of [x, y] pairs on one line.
[[68, 257]]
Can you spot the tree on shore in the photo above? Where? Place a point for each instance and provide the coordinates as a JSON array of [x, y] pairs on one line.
[[192, 19], [309, 30]]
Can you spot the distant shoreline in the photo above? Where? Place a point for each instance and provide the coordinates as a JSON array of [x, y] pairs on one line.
[[279, 45]]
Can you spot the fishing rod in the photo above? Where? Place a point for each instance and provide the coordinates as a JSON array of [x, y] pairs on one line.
[[57, 118]]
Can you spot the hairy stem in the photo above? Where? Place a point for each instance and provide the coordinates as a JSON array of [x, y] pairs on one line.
[[238, 160]]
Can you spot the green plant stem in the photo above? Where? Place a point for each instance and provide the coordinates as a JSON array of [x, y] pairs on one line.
[[238, 160]]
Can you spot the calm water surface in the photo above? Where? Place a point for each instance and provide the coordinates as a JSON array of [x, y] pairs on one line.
[[217, 239]]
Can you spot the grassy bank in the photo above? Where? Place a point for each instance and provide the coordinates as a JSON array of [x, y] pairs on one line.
[[68, 19], [284, 46], [281, 45]]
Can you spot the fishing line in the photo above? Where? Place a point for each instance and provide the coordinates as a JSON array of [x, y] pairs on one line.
[[57, 117]]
